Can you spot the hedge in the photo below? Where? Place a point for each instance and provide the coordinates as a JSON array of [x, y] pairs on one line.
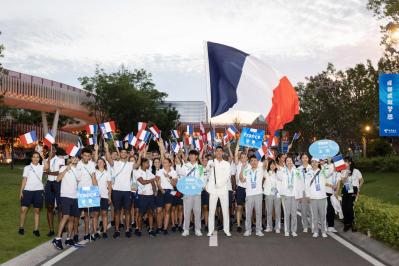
[[378, 164], [378, 218]]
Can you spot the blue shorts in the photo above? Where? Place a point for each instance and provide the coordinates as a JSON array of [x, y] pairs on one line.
[[69, 206], [204, 198], [34, 198], [240, 196], [146, 202], [177, 201], [164, 198], [52, 193], [104, 205], [121, 199], [135, 199]]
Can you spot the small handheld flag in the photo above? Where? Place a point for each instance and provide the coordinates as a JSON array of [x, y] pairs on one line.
[[91, 141], [49, 139], [155, 131], [91, 129], [141, 126], [175, 147], [108, 135], [199, 144], [231, 131], [339, 163], [72, 150], [190, 130], [118, 144], [261, 152], [28, 138], [175, 134], [108, 127], [80, 143]]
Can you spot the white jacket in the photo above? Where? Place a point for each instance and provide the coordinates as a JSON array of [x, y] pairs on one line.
[[222, 170]]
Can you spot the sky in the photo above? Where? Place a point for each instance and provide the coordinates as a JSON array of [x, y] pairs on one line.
[[64, 40]]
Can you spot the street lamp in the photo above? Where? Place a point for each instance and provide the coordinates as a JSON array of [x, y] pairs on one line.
[[367, 129]]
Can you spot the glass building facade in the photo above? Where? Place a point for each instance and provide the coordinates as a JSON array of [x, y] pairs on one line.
[[190, 111]]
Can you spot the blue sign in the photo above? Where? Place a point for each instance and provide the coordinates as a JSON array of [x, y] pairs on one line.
[[190, 185], [322, 149], [389, 104], [251, 137], [88, 197]]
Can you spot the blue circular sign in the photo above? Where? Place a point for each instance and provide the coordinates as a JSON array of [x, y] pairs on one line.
[[190, 185], [322, 149]]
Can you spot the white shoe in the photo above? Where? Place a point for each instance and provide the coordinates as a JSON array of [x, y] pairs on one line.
[[227, 234], [315, 235], [286, 234], [294, 234], [332, 230], [277, 231], [324, 235], [210, 234], [268, 230], [259, 233], [305, 230], [185, 233], [198, 233], [247, 233]]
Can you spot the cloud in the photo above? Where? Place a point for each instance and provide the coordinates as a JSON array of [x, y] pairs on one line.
[[66, 40]]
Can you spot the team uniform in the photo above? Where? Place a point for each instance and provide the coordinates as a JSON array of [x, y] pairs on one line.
[[240, 192], [121, 185], [165, 179], [290, 204], [272, 190], [69, 191], [102, 181], [52, 189], [86, 170], [349, 193], [145, 192], [332, 178], [33, 190], [254, 179], [304, 201]]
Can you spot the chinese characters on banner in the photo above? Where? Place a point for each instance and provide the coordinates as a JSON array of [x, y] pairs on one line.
[[389, 104]]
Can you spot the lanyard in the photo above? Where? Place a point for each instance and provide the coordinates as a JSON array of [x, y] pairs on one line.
[[73, 172], [114, 177], [36, 174], [192, 171], [99, 178], [87, 170], [290, 176], [253, 175], [53, 163]]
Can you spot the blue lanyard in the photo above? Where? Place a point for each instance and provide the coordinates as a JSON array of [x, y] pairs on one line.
[[253, 176], [290, 177]]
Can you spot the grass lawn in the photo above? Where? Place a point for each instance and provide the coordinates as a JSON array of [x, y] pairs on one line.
[[11, 243], [384, 186]]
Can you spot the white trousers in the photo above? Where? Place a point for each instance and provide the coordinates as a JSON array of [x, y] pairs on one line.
[[224, 203]]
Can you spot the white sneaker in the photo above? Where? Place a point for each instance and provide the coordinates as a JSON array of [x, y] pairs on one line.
[[277, 231], [247, 233], [227, 234], [305, 230], [286, 234], [315, 235], [259, 233], [209, 234], [294, 234], [332, 230], [198, 233], [324, 235], [185, 233], [268, 230]]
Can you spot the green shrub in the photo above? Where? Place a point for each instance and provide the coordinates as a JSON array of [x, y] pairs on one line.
[[379, 147], [378, 164], [381, 219]]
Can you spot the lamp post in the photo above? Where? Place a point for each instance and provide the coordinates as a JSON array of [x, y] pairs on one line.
[[367, 129]]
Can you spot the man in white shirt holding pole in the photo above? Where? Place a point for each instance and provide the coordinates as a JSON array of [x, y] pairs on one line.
[[219, 176]]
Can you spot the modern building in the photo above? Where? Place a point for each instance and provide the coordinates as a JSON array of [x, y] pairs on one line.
[[190, 111]]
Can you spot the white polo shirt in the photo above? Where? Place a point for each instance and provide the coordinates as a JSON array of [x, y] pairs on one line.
[[55, 165], [238, 171], [34, 175], [146, 175], [122, 175], [69, 183], [254, 178], [166, 178], [102, 180], [85, 171]]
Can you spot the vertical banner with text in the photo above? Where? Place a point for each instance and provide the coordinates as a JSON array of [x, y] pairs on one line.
[[389, 104]]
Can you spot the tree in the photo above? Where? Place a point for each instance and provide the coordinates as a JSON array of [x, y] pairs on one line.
[[385, 9], [128, 97]]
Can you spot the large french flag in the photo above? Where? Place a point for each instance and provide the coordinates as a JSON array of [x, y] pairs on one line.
[[240, 81]]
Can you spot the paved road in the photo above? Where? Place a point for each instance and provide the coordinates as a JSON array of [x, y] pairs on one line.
[[272, 249]]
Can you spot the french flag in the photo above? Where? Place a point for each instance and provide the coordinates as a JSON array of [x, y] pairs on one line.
[[188, 140], [118, 143], [107, 135], [240, 81], [190, 130], [210, 136], [226, 138], [49, 139], [72, 150], [339, 163], [28, 138], [91, 129], [199, 144], [155, 131], [175, 134], [141, 145], [175, 147], [133, 140], [108, 127], [231, 131], [261, 152], [91, 141], [296, 136], [141, 126], [143, 135]]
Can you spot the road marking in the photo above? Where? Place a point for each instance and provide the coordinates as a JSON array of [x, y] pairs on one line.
[[63, 254], [353, 248], [213, 240]]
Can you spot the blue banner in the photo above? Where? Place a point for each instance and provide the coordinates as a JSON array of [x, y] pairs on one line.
[[190, 185], [251, 137], [389, 104], [88, 197], [322, 149]]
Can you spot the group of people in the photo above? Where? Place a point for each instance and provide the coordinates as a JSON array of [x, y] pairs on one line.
[[138, 190]]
